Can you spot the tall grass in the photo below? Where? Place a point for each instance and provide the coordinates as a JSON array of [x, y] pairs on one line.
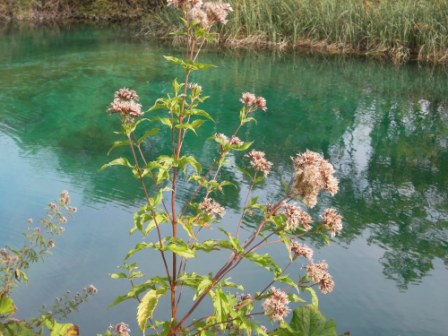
[[400, 29]]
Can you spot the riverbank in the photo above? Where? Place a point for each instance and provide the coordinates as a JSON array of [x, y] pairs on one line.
[[399, 30]]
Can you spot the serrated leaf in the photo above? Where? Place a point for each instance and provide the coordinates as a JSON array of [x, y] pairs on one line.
[[62, 329], [118, 144], [166, 122], [233, 241], [202, 286], [7, 306], [148, 305], [180, 248], [264, 261], [174, 60], [117, 162], [191, 160], [308, 321], [208, 245]]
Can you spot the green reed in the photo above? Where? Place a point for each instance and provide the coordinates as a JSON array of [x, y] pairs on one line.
[[399, 29]]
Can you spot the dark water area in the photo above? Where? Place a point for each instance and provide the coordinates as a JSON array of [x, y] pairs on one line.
[[384, 128]]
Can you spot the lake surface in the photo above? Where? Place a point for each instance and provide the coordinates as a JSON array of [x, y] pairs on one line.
[[385, 129]]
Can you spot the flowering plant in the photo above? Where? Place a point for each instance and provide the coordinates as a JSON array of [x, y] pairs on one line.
[[14, 262], [173, 227]]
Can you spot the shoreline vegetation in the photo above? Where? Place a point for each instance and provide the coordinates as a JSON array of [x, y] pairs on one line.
[[399, 30]]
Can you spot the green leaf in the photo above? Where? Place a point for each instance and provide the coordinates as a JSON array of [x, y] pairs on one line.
[[244, 146], [235, 244], [199, 112], [140, 288], [203, 285], [130, 128], [314, 299], [7, 306], [120, 299], [117, 162], [118, 144], [120, 275], [165, 121], [139, 247], [308, 321], [61, 329], [265, 261], [148, 305], [179, 247], [191, 126], [174, 60], [295, 298], [286, 279], [147, 134], [198, 66], [15, 328], [191, 160], [188, 65], [177, 87], [188, 227], [228, 283], [208, 245]]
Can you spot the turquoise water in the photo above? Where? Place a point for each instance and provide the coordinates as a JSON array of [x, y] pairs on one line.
[[385, 129]]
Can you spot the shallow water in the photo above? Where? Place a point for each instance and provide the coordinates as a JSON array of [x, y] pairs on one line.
[[385, 129]]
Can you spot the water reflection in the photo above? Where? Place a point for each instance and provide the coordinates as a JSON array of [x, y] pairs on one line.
[[394, 159], [385, 129]]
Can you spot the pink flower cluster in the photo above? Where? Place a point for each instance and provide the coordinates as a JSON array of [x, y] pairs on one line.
[[182, 3], [276, 305], [301, 250], [259, 162], [126, 104], [120, 329], [318, 274], [312, 173], [212, 208], [91, 290], [194, 86], [206, 13], [253, 102], [233, 141], [296, 217], [332, 221]]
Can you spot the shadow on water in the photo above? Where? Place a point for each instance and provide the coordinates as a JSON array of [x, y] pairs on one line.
[[384, 128]]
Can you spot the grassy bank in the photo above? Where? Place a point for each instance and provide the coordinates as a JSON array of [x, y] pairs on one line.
[[398, 29]]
